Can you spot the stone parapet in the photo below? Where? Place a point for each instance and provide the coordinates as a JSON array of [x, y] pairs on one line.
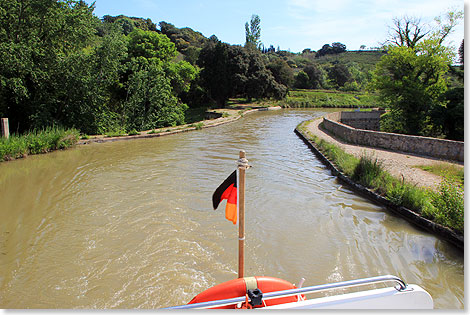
[[433, 147]]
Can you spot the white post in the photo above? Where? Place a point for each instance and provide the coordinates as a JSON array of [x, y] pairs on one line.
[[5, 128]]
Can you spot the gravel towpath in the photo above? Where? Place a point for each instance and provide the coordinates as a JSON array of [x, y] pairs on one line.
[[400, 165]]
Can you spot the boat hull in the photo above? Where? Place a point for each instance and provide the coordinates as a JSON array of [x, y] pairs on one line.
[[413, 297]]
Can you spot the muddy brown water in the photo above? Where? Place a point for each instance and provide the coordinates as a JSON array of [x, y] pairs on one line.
[[129, 224]]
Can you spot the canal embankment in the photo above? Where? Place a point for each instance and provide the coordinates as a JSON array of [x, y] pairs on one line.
[[224, 116], [401, 165]]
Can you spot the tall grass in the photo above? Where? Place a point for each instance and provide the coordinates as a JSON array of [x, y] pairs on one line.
[[446, 206], [36, 142]]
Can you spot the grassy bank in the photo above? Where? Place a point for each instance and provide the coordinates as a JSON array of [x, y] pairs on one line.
[[36, 142], [445, 170], [329, 99], [445, 206]]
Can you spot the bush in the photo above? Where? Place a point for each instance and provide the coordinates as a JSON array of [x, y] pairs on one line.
[[406, 195], [448, 204], [368, 172]]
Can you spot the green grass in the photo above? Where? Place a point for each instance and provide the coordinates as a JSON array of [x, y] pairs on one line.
[[445, 206], [199, 125], [133, 132], [446, 170], [115, 133], [36, 142], [329, 99]]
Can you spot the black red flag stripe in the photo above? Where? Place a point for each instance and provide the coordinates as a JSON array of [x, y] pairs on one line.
[[227, 190]]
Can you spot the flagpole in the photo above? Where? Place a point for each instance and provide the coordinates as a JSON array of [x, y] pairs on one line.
[[242, 166]]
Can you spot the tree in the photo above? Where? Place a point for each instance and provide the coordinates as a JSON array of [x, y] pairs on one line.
[[151, 102], [408, 31], [215, 77], [411, 82], [187, 41], [446, 25], [339, 74], [253, 32], [154, 82], [127, 24], [461, 53], [338, 48], [315, 76], [281, 71], [91, 92], [259, 81], [335, 48], [301, 80], [325, 50], [36, 39], [229, 71], [411, 77], [150, 44]]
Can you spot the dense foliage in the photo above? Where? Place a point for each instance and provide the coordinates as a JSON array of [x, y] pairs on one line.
[[61, 65], [412, 84], [229, 71], [414, 80]]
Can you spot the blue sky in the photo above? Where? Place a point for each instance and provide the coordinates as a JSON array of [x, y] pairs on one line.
[[290, 24]]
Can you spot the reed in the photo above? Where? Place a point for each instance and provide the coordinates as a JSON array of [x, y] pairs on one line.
[[36, 142]]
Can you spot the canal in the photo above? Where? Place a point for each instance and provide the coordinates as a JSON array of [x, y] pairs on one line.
[[130, 224]]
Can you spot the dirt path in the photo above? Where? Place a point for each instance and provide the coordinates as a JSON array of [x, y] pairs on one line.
[[398, 164]]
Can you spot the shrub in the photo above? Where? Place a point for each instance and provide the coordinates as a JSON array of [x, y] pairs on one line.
[[368, 172], [448, 203]]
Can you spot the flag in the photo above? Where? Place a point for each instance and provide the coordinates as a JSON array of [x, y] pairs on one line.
[[227, 190]]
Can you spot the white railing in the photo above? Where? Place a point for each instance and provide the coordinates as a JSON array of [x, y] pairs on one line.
[[290, 292]]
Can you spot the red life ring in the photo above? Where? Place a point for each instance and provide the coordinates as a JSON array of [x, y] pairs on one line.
[[237, 288]]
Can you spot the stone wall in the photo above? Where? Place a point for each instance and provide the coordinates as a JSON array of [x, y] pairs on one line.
[[438, 148], [369, 120]]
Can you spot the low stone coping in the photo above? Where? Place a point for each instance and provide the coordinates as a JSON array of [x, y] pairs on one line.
[[433, 147]]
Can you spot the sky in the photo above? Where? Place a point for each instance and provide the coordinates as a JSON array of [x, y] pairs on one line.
[[289, 24]]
